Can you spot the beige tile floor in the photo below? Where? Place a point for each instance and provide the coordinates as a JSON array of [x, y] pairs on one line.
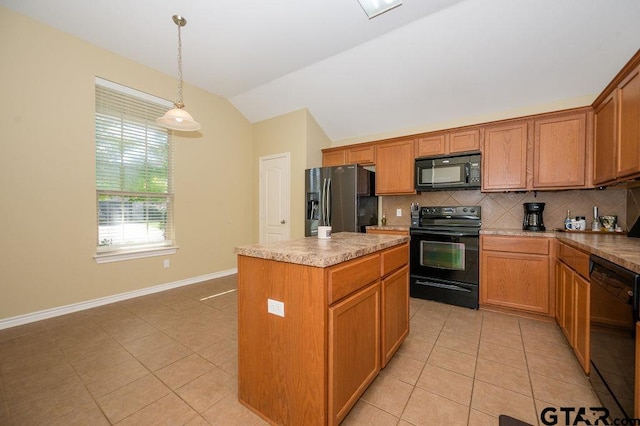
[[171, 358]]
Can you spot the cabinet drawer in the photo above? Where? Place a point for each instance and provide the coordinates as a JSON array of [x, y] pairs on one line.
[[574, 258], [528, 245], [350, 276], [394, 258]]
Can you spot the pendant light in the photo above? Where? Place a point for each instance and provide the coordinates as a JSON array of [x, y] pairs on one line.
[[177, 118]]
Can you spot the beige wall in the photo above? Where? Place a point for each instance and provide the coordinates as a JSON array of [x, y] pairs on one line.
[[47, 201], [298, 134], [317, 140]]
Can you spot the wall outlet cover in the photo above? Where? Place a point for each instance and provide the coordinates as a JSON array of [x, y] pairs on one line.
[[275, 307]]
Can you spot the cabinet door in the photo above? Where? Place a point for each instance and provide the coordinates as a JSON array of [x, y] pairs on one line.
[[568, 311], [629, 137], [581, 316], [559, 151], [605, 141], [354, 349], [361, 155], [395, 163], [515, 280], [431, 145], [395, 312], [334, 158], [504, 157], [559, 294], [464, 141]]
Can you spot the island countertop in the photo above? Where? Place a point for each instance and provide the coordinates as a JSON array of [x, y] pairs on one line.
[[313, 251]]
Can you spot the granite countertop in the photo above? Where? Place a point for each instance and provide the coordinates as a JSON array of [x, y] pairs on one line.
[[516, 232], [313, 251], [619, 249], [614, 247]]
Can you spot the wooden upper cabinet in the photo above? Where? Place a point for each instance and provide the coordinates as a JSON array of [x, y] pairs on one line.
[[395, 163], [334, 158], [504, 157], [629, 136], [560, 151], [431, 145], [448, 143], [464, 141], [352, 154], [605, 140], [361, 154]]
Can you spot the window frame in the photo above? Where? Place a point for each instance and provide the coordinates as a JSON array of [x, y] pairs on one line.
[[141, 250]]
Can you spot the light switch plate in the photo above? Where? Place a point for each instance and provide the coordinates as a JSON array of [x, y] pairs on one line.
[[275, 307], [399, 212]]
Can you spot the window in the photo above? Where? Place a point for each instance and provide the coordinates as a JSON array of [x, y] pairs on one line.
[[134, 171]]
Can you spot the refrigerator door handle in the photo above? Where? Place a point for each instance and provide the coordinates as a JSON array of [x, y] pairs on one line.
[[323, 198], [328, 203]]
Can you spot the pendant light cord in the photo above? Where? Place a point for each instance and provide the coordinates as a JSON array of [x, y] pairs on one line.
[[179, 103]]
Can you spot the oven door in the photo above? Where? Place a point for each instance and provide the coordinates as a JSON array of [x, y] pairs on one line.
[[444, 266], [445, 255]]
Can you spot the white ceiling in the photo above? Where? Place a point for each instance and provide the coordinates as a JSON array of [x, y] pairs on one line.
[[427, 61]]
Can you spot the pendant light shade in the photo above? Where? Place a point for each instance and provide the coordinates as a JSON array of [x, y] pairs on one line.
[[177, 118]]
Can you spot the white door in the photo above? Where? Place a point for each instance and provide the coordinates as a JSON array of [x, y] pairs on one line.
[[274, 198]]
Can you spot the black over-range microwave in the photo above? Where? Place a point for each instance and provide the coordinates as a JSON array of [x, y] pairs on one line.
[[450, 172]]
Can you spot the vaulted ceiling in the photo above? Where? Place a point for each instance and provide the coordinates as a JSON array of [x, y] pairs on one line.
[[423, 63]]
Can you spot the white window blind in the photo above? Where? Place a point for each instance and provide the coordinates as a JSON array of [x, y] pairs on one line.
[[134, 172]]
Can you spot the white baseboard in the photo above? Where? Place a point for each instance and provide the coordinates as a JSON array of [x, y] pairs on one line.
[[81, 306]]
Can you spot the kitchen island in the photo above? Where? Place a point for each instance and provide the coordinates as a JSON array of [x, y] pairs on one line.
[[317, 320]]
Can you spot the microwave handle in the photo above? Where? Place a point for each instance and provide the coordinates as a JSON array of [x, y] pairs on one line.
[[467, 172]]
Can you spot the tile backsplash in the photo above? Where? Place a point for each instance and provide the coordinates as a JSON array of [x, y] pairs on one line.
[[633, 206], [505, 210]]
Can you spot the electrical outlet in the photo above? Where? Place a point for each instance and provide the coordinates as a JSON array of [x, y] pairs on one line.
[[166, 263], [398, 212], [275, 307]]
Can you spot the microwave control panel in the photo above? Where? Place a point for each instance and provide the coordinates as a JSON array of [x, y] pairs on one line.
[[474, 173]]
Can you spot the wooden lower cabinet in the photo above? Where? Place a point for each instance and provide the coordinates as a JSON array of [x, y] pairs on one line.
[[354, 349], [573, 300], [341, 325], [581, 345], [515, 273], [395, 312]]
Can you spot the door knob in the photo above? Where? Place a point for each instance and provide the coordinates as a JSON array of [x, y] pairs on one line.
[[283, 221]]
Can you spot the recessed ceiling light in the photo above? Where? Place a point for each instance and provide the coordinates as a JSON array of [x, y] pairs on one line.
[[374, 8]]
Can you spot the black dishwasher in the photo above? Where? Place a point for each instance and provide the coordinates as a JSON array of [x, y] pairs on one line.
[[614, 313]]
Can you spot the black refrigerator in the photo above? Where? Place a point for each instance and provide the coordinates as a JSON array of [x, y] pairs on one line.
[[343, 197]]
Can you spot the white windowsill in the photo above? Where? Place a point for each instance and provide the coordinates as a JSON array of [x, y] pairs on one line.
[[134, 254]]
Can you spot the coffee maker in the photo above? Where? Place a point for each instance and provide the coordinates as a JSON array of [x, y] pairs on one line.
[[533, 217]]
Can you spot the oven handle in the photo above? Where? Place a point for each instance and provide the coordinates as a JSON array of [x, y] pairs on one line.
[[446, 286], [447, 233]]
